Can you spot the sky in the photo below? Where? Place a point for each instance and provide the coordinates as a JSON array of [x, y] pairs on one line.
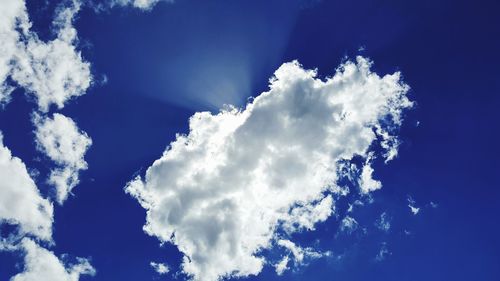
[[250, 140]]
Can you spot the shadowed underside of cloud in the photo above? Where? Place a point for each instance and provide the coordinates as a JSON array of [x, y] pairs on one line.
[[243, 179]]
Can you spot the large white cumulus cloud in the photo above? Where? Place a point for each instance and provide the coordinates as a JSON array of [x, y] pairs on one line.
[[222, 192]]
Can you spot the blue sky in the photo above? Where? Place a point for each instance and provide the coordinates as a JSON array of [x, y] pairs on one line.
[[154, 68]]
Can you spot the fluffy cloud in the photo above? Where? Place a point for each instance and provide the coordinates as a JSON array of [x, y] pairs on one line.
[[53, 71], [42, 265], [20, 201], [223, 192], [61, 140], [160, 268]]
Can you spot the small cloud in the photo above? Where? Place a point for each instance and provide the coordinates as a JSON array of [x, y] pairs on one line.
[[355, 203], [299, 255], [282, 266], [383, 252], [412, 205], [160, 268], [434, 204], [348, 224], [383, 222]]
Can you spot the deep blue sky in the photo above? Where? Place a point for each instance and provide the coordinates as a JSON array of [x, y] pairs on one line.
[[166, 64]]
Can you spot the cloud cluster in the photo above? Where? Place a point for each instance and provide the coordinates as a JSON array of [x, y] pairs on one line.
[[52, 73], [22, 205], [61, 140], [242, 178]]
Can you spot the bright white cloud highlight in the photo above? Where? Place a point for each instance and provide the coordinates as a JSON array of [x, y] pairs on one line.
[[61, 140], [221, 192], [53, 71], [42, 265], [20, 201]]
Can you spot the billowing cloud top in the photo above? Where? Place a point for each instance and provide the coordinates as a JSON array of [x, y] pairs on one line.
[[223, 192]]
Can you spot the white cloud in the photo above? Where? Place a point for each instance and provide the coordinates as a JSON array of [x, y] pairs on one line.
[[298, 253], [42, 265], [221, 192], [160, 268], [412, 205], [348, 224], [366, 181], [282, 265], [61, 140], [53, 71], [21, 204], [20, 200]]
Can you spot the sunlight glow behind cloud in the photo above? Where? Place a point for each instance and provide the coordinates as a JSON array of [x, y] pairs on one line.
[[244, 179]]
